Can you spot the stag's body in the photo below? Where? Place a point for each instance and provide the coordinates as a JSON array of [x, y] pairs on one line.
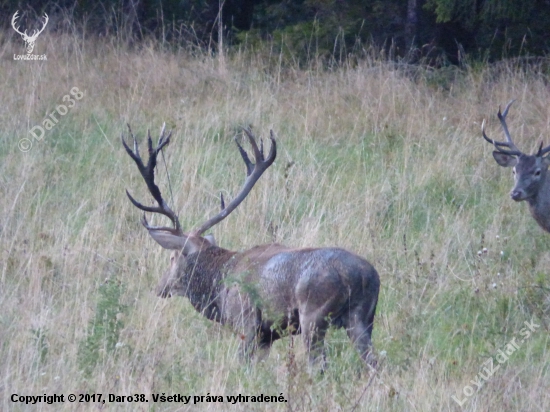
[[267, 289], [532, 182], [270, 288]]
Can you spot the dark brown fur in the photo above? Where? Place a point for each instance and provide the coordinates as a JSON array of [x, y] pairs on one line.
[[271, 288]]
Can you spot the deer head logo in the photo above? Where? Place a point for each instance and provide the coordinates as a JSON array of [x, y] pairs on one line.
[[29, 40]]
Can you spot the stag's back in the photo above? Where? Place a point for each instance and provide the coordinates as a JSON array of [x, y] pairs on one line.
[[318, 278]]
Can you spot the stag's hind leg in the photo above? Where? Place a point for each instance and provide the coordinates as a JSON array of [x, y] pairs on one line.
[[359, 330], [253, 346], [314, 329]]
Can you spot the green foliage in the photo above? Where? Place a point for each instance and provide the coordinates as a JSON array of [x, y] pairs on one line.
[[495, 28], [471, 12], [104, 329], [304, 30]]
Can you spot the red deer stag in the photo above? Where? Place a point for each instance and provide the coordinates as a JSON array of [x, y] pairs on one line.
[[264, 290], [530, 172]]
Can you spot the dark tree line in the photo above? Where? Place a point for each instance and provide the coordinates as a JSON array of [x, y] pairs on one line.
[[417, 28]]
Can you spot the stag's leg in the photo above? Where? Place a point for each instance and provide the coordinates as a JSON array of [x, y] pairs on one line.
[[316, 313], [314, 329], [254, 345], [265, 336], [244, 319], [359, 330]]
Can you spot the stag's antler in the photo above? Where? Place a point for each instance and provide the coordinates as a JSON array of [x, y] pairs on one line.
[[514, 151], [253, 173], [148, 174], [542, 151]]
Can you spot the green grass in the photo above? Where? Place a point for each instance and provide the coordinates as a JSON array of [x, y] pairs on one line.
[[387, 164]]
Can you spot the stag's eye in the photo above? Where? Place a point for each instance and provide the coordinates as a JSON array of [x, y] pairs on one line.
[[537, 172], [514, 171]]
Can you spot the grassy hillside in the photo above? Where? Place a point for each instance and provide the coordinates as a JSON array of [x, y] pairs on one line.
[[384, 160]]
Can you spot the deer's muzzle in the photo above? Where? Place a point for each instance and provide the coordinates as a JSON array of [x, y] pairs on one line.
[[517, 195]]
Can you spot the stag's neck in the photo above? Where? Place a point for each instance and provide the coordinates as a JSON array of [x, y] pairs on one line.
[[203, 279], [539, 205]]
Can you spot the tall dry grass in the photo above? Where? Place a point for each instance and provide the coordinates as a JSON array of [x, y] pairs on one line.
[[382, 159]]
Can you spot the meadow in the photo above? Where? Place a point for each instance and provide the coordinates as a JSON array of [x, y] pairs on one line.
[[383, 159]]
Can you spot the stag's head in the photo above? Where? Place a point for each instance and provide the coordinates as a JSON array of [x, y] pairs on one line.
[[182, 243], [529, 170], [29, 39]]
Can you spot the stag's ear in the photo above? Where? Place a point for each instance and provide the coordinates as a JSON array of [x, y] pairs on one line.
[[211, 239], [187, 244], [505, 160], [168, 240]]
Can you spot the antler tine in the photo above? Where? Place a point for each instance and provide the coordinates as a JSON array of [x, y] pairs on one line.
[[162, 129], [258, 154], [514, 151], [253, 172], [261, 146], [543, 151], [502, 118], [136, 148], [148, 174], [244, 155], [172, 230]]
